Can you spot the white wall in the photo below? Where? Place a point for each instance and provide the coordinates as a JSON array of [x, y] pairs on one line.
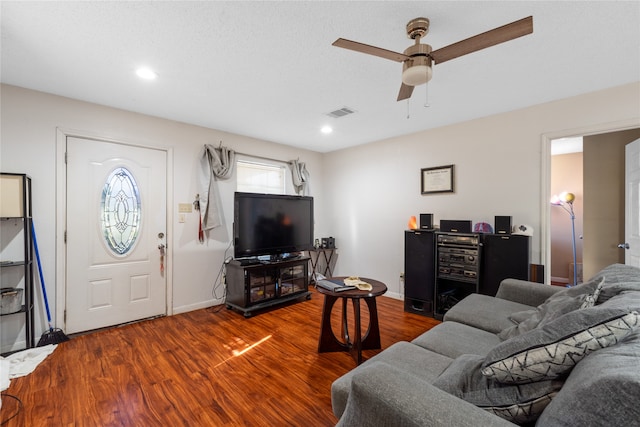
[[28, 145], [373, 189]]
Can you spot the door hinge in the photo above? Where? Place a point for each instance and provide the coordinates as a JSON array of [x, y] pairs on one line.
[[65, 236], [65, 157], [64, 317]]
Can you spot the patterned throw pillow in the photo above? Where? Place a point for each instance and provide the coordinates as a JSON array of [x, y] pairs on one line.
[[518, 403], [553, 350]]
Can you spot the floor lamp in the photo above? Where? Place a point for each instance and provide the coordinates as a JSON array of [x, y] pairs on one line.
[[565, 201]]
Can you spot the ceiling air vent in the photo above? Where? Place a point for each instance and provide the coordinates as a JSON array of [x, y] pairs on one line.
[[344, 111]]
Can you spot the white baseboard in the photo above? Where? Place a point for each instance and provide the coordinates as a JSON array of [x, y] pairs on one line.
[[394, 295], [197, 306]]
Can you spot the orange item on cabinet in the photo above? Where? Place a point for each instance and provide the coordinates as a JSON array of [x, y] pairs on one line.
[[413, 223]]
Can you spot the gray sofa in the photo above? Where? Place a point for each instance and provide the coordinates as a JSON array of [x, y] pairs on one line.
[[533, 354]]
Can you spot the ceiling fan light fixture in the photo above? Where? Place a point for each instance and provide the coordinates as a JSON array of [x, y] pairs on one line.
[[417, 69], [417, 75]]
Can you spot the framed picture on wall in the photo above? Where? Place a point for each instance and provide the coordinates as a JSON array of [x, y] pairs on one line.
[[437, 180]]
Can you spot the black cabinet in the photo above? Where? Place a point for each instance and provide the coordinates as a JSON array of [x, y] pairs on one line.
[[503, 256], [261, 285], [419, 271]]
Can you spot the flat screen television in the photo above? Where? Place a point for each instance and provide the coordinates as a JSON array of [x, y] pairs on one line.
[[270, 224]]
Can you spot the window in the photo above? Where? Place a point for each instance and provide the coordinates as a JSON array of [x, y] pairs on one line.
[[254, 177], [120, 211]]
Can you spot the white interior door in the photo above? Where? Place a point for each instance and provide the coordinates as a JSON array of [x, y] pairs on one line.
[[116, 223], [632, 204]]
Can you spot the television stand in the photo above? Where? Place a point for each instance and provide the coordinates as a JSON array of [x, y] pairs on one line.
[[251, 288]]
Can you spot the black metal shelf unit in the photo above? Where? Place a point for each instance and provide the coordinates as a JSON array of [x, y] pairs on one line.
[[16, 242]]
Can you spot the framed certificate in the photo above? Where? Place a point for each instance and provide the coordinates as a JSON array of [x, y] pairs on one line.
[[437, 180]]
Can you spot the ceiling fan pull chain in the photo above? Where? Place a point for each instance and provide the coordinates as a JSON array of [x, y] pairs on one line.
[[426, 97]]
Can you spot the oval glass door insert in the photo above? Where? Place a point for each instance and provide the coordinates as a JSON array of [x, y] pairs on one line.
[[120, 211]]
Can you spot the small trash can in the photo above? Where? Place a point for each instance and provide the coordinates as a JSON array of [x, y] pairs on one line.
[[10, 300]]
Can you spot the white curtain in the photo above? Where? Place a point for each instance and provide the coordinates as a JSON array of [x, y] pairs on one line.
[[214, 163], [300, 177]]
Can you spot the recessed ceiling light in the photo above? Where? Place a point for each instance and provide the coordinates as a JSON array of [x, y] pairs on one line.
[[326, 130], [146, 73]]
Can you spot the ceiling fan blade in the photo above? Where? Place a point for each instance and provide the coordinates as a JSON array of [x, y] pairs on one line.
[[405, 92], [490, 38], [371, 50]]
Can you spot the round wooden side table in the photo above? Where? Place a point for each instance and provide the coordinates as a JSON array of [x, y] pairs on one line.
[[371, 340]]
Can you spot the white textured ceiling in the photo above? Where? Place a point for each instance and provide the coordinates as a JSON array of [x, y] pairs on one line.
[[268, 70]]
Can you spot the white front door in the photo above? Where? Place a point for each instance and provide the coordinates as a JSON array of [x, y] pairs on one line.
[[116, 221], [632, 204]]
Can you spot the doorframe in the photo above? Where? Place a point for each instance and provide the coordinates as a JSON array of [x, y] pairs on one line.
[[545, 178], [61, 214]]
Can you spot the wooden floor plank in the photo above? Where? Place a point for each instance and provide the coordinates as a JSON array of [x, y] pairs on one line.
[[209, 367]]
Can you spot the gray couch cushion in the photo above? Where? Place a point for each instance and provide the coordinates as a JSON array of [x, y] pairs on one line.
[[453, 339], [405, 356], [628, 300], [618, 278], [525, 292], [519, 403], [558, 304], [484, 312], [382, 395], [553, 349], [602, 389]]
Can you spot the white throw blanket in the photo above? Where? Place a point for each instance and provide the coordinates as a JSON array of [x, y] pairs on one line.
[[22, 363]]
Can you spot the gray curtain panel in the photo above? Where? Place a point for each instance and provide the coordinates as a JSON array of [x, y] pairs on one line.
[[300, 177], [215, 163]]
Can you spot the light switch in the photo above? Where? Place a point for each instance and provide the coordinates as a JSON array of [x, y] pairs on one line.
[[181, 218]]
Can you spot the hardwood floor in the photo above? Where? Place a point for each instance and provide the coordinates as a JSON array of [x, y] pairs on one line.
[[209, 367]]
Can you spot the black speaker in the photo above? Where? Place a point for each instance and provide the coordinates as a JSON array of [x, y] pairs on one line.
[[455, 226], [502, 225], [419, 271], [426, 221], [503, 257]]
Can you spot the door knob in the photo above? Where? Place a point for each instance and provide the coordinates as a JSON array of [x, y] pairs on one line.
[[623, 246]]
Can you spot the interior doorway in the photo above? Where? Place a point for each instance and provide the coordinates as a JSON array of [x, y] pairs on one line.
[[566, 177], [600, 215]]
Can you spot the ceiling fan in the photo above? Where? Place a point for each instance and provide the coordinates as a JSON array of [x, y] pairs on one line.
[[417, 59]]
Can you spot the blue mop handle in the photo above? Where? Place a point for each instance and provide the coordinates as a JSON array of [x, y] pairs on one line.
[[44, 290]]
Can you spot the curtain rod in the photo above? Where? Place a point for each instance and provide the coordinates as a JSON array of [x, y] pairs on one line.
[[262, 158], [259, 157]]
